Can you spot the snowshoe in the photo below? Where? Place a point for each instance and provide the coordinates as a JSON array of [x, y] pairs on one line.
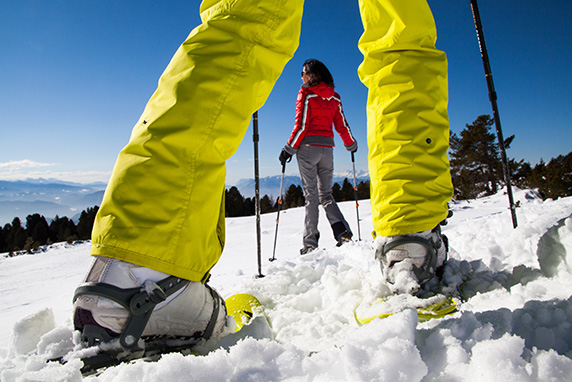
[[245, 309], [427, 308]]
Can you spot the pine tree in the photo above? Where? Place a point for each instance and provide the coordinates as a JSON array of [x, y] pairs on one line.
[[520, 172], [248, 207], [16, 237], [294, 197], [266, 204], [337, 193], [37, 230], [85, 223], [62, 229], [552, 179], [347, 190], [363, 190], [3, 237], [476, 166], [233, 202]]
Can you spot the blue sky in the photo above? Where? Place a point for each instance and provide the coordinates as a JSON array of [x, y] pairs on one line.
[[76, 74]]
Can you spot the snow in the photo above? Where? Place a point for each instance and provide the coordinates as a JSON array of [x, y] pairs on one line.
[[515, 325]]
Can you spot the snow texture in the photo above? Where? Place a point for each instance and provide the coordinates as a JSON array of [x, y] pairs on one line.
[[515, 324]]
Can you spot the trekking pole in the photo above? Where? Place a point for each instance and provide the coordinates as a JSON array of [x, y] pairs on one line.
[[493, 99], [356, 195], [278, 214], [257, 190]]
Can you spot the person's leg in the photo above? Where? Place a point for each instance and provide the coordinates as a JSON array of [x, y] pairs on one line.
[[340, 227], [307, 158], [163, 211], [163, 207], [408, 129]]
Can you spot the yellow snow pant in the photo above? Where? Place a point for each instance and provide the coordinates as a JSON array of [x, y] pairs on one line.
[[164, 205], [407, 120]]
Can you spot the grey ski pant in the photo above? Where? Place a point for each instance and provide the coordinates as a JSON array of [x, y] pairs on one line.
[[316, 166]]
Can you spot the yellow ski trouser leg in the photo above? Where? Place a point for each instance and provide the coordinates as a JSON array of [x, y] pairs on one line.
[[164, 205], [407, 120]]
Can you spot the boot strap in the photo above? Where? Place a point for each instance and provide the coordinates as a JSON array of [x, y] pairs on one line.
[[139, 302]]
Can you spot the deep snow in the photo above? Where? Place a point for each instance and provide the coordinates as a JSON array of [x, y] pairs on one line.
[[515, 326]]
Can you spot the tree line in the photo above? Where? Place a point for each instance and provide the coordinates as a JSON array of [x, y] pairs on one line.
[[477, 170], [37, 232], [237, 205]]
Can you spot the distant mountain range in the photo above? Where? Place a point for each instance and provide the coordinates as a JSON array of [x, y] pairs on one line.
[[48, 197], [270, 185], [51, 197]]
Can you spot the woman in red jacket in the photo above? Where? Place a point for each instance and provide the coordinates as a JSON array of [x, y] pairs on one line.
[[318, 107]]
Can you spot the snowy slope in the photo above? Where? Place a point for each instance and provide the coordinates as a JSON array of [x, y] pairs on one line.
[[516, 325]]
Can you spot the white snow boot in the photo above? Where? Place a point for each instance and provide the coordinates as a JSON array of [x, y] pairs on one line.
[[120, 299], [423, 253]]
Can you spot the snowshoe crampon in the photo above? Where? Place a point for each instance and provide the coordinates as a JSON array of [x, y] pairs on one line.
[[427, 308]]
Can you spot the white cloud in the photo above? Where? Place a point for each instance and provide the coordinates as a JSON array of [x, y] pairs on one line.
[[28, 169], [20, 164], [69, 176]]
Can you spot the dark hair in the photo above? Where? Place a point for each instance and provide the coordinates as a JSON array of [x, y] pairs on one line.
[[319, 72]]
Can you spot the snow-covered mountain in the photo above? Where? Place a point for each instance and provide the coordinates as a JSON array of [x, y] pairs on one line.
[[47, 197], [270, 185], [515, 324]]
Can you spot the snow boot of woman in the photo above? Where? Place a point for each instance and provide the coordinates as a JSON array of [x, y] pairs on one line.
[[120, 299]]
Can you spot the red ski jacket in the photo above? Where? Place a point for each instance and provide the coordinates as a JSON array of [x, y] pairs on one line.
[[317, 108]]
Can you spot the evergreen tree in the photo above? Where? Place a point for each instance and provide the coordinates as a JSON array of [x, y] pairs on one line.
[[294, 197], [62, 229], [3, 237], [520, 172], [347, 190], [16, 237], [476, 166], [37, 231], [363, 190], [248, 207], [233, 202], [289, 198], [552, 179], [337, 192], [85, 223], [266, 205], [537, 177]]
